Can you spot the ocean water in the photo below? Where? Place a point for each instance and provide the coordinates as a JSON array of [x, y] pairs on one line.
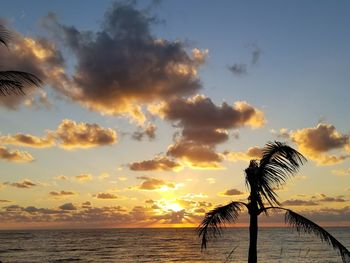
[[163, 245]]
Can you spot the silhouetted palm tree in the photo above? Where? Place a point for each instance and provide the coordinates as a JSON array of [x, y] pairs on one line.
[[13, 82], [278, 162]]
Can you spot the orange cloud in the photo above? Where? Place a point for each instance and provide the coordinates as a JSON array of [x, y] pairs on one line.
[[151, 183], [156, 164], [15, 155], [316, 143], [106, 196], [28, 140], [68, 135], [83, 177], [83, 135], [253, 153], [26, 183]]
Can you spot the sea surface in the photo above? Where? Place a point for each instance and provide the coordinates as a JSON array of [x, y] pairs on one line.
[[163, 245]]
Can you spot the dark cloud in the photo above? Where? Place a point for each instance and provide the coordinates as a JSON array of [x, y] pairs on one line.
[[172, 217], [238, 69], [156, 164], [196, 155], [26, 183], [15, 155], [106, 196], [204, 125], [67, 206], [124, 65], [233, 191], [151, 183], [256, 54], [149, 131], [204, 122], [61, 193]]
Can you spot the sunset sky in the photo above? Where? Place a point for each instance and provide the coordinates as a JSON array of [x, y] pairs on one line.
[[151, 110]]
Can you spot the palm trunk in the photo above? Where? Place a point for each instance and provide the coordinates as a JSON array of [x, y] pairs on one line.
[[253, 237]]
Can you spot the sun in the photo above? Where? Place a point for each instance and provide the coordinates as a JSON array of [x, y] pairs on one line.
[[173, 206]]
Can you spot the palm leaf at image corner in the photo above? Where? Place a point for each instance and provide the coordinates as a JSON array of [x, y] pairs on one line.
[[13, 82]]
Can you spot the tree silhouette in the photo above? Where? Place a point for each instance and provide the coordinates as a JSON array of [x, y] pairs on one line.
[[14, 82], [278, 163]]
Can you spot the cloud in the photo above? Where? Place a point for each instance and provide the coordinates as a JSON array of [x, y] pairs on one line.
[[332, 199], [316, 143], [253, 153], [26, 183], [232, 191], [83, 177], [156, 164], [238, 69], [68, 135], [151, 183], [28, 140], [204, 122], [195, 155], [256, 54], [149, 131], [124, 65], [204, 125], [61, 193], [83, 135], [15, 155], [34, 55], [67, 206], [4, 201], [298, 202], [106, 196]]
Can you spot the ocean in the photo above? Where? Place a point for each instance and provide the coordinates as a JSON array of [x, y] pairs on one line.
[[163, 245]]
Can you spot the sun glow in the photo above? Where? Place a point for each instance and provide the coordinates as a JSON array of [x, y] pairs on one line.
[[174, 207]]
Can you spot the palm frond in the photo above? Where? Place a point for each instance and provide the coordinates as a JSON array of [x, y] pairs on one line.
[[13, 82], [301, 223], [4, 35], [215, 220], [279, 162]]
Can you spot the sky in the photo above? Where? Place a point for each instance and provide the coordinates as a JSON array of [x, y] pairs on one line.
[[151, 110]]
